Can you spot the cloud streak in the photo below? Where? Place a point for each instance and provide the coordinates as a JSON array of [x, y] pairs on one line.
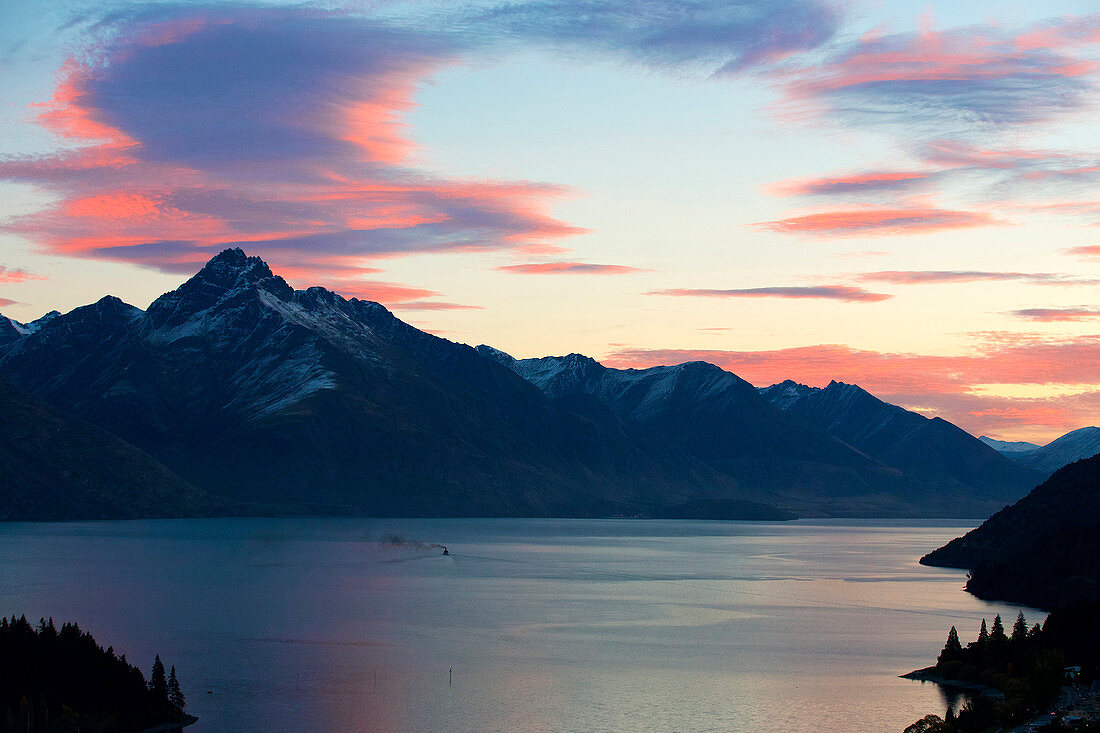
[[9, 275], [713, 37], [861, 221], [568, 268], [817, 292], [936, 277], [964, 77], [854, 183], [1058, 315]]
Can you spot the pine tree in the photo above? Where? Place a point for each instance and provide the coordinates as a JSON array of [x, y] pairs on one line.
[[157, 682], [997, 633], [175, 695], [952, 649], [983, 635], [1019, 629]]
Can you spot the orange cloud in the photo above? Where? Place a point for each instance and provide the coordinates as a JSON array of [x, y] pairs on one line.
[[874, 221], [1090, 250], [853, 183], [382, 292], [568, 268]]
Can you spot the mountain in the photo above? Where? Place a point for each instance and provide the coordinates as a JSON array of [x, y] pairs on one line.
[[55, 467], [14, 330], [9, 331], [1006, 447], [1043, 550], [301, 401], [930, 450], [785, 457], [1047, 459]]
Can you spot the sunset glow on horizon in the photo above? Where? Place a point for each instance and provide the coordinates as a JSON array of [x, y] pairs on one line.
[[899, 196]]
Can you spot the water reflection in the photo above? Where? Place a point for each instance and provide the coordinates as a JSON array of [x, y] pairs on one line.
[[954, 698]]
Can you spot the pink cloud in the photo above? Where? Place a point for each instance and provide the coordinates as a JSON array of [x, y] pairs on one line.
[[853, 183], [877, 221], [8, 275], [301, 152], [983, 75], [921, 277], [5, 302], [382, 292], [431, 305], [1056, 315], [826, 292], [568, 268]]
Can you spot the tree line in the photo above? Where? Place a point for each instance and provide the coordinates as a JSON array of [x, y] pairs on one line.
[[1024, 668], [61, 681]]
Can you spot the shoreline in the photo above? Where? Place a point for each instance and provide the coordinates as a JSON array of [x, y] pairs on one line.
[[928, 674]]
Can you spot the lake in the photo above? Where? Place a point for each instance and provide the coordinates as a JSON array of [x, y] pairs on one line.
[[542, 625]]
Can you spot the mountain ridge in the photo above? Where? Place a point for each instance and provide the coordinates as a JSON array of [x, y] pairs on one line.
[[305, 400], [261, 393], [1073, 446], [732, 426], [932, 449]]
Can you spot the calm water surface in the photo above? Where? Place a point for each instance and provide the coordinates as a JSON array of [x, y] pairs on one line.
[[549, 625]]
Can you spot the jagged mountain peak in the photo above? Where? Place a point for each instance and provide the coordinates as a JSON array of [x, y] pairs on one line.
[[784, 394], [847, 390], [496, 355], [558, 375], [228, 274], [231, 265], [108, 309]]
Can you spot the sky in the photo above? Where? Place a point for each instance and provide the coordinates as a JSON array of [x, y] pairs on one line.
[[899, 195]]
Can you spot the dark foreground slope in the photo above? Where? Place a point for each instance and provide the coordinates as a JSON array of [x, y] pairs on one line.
[[57, 467], [302, 401], [1044, 550], [1073, 446]]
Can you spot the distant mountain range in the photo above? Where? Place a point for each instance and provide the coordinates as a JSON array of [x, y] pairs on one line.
[[774, 444], [279, 400], [931, 450], [1043, 550], [1073, 446]]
